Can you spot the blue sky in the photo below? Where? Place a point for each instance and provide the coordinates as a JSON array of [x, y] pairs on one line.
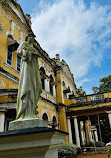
[[79, 30]]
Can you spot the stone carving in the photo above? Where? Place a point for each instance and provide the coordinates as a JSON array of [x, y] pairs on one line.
[[30, 83]]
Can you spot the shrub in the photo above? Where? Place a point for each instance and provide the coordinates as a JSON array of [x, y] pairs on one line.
[[67, 150], [109, 151], [99, 144], [90, 144]]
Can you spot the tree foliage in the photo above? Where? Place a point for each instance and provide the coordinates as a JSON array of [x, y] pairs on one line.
[[104, 86]]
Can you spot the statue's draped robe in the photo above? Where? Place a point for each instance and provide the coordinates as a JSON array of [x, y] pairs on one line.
[[30, 83]]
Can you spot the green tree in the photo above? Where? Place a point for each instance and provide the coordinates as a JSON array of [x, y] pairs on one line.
[[104, 86]]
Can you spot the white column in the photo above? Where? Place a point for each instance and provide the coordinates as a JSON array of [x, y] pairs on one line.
[[82, 131], [48, 86], [96, 136], [91, 138], [82, 136], [109, 117], [2, 121], [54, 94], [76, 132], [45, 84], [70, 131]]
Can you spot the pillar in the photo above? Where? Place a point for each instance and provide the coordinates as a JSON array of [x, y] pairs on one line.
[[82, 136], [45, 84], [82, 131], [54, 94], [109, 117], [70, 131], [76, 132], [2, 121], [96, 136], [91, 136]]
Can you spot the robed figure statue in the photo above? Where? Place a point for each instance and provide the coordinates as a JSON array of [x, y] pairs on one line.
[[30, 83]]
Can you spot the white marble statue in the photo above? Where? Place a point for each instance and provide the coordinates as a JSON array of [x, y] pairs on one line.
[[30, 83]]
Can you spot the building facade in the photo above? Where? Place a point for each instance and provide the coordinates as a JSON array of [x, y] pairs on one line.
[[61, 104]]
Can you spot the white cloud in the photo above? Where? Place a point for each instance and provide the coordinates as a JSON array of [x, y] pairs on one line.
[[78, 33]]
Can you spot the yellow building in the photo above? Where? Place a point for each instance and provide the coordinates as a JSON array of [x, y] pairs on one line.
[[61, 104]]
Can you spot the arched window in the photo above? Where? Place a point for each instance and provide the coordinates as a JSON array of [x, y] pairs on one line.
[[45, 117], [18, 62], [54, 122], [63, 84], [69, 88], [12, 46], [43, 76], [51, 83]]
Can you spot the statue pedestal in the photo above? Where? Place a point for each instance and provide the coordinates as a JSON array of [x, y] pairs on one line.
[[27, 123], [38, 142]]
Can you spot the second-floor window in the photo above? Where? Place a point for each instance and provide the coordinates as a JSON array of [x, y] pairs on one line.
[[9, 55], [18, 63]]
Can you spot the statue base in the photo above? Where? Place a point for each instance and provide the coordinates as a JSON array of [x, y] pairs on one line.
[[37, 142], [27, 123]]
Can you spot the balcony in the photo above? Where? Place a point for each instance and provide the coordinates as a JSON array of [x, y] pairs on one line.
[[48, 96]]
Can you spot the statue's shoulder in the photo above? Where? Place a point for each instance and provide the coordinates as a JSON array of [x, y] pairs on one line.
[[23, 45]]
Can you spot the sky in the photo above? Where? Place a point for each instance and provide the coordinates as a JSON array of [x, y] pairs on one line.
[[78, 30]]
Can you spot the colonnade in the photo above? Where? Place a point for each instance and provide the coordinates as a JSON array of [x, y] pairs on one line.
[[76, 131], [47, 87], [90, 135]]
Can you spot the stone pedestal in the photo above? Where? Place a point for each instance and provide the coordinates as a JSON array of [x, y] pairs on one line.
[[27, 123], [38, 142]]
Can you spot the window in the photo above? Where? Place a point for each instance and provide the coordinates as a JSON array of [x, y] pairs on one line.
[[43, 77], [45, 117], [51, 83], [54, 122], [9, 55], [18, 63], [63, 83]]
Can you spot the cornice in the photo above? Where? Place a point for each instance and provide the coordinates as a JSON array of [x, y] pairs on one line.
[[6, 74], [25, 27]]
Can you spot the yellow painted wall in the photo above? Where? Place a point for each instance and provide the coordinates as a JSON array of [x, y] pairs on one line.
[[69, 101], [107, 95], [42, 105], [58, 88], [5, 83], [63, 121]]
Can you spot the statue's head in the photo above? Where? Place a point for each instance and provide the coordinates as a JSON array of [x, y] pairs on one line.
[[30, 37]]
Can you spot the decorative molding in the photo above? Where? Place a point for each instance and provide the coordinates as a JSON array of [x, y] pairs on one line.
[[45, 107], [10, 67], [9, 76]]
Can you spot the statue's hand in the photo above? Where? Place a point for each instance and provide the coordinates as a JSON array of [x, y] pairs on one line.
[[24, 58]]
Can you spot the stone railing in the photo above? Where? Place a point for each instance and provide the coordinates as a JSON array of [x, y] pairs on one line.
[[81, 99], [96, 97], [52, 98], [43, 94], [48, 96]]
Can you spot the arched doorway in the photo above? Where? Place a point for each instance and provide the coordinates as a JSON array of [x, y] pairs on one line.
[[45, 117], [54, 122]]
